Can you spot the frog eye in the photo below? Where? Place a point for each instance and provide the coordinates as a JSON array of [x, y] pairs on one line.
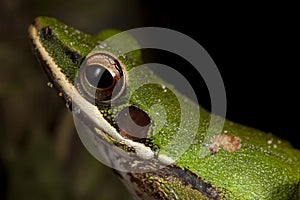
[[101, 76]]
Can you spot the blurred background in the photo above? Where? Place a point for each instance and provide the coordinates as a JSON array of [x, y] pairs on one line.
[[42, 157]]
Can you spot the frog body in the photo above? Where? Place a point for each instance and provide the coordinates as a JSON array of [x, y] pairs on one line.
[[241, 163]]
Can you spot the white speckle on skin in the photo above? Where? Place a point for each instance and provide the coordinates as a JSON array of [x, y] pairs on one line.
[[270, 141], [49, 84]]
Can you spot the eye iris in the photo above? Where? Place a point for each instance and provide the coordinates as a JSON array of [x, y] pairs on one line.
[[99, 76]]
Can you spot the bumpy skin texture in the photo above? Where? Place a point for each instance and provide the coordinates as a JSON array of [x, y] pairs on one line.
[[261, 167]]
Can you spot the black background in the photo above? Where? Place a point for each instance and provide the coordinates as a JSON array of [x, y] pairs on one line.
[[255, 49]]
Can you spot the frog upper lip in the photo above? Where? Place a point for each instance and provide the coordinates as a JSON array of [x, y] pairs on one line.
[[46, 68]]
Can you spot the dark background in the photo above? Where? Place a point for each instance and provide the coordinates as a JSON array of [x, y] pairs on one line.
[[255, 48], [253, 45]]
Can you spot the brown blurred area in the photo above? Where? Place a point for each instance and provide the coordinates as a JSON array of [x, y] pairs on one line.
[[42, 156]]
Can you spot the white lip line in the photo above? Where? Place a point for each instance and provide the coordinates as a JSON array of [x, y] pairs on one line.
[[141, 150]]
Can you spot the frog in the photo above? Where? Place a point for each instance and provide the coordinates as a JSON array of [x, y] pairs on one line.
[[98, 85]]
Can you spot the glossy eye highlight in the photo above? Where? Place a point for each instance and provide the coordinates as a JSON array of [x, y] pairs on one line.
[[99, 75]]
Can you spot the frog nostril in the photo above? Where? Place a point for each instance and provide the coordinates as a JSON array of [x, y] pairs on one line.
[[48, 32], [133, 123]]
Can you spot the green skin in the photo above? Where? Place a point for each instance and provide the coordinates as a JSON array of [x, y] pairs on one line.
[[264, 167]]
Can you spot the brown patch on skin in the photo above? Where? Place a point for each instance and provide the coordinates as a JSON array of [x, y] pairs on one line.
[[229, 143]]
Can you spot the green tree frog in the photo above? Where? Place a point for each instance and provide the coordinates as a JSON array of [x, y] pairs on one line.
[[241, 163]]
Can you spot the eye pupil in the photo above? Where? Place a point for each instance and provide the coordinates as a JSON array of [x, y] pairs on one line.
[[99, 77]]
